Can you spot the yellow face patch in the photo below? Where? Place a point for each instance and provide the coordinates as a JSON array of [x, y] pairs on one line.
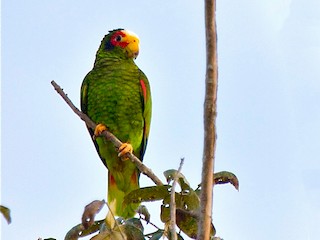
[[128, 41], [133, 44]]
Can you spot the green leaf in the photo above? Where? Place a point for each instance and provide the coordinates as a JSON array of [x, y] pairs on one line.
[[6, 213], [136, 222], [109, 235], [165, 213], [226, 177], [142, 210], [90, 211], [178, 198], [188, 223], [131, 232], [157, 235], [79, 231], [171, 174], [187, 200], [147, 194], [124, 231], [191, 200], [179, 237], [170, 236]]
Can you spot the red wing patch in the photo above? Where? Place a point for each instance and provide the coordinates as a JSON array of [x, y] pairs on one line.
[[144, 89], [134, 177], [112, 181]]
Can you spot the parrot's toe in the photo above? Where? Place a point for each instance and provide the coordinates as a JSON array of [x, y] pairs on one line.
[[124, 149], [98, 130]]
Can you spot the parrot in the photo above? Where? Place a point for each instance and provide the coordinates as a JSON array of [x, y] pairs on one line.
[[116, 95]]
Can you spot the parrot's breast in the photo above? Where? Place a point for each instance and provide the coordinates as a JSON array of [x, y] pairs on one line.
[[114, 99]]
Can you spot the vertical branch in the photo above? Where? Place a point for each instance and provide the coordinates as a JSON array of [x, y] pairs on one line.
[[210, 113]]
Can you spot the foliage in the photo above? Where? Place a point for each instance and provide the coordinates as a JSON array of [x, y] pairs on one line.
[[6, 213], [187, 212]]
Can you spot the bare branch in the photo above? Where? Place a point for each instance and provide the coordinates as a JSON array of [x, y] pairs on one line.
[[210, 113], [108, 135], [173, 204]]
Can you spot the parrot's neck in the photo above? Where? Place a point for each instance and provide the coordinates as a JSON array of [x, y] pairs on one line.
[[103, 61]]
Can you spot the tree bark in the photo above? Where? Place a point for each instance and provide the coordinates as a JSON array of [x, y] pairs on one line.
[[210, 114]]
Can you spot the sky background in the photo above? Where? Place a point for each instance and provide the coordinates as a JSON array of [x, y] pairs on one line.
[[268, 110]]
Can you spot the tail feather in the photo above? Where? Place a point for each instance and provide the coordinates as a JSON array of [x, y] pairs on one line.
[[116, 195]]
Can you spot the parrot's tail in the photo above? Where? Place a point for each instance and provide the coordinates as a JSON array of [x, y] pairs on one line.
[[116, 193]]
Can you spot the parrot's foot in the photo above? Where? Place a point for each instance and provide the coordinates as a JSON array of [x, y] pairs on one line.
[[98, 130], [124, 149]]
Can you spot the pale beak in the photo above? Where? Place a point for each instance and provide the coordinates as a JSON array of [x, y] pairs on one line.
[[133, 45]]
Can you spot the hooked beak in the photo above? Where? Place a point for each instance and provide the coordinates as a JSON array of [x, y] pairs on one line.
[[133, 45]]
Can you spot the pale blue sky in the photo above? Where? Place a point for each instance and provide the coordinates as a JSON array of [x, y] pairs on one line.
[[268, 110]]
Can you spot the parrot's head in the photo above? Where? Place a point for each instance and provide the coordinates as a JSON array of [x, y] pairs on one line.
[[121, 44]]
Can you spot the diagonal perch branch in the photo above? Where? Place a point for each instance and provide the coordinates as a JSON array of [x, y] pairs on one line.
[[108, 135]]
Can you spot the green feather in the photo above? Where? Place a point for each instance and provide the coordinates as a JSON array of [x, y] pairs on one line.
[[112, 94]]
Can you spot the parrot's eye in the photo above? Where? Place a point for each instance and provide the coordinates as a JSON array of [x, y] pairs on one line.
[[118, 38]]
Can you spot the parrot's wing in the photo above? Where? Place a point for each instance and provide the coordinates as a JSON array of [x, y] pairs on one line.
[[84, 109], [84, 95], [84, 102], [147, 106]]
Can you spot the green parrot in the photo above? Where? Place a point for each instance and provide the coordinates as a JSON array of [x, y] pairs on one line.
[[115, 94]]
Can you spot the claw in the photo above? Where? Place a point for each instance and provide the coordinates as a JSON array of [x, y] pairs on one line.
[[98, 130], [124, 149]]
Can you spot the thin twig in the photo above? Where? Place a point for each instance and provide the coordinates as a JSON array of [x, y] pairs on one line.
[[173, 204], [108, 135], [148, 222], [210, 113]]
